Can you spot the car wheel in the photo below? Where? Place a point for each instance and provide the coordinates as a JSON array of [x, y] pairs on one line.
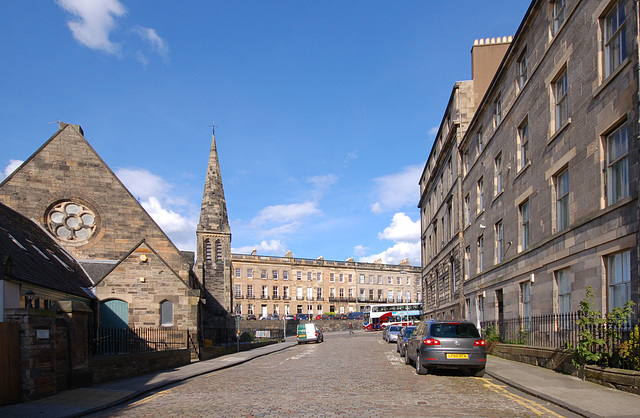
[[478, 372], [402, 353], [420, 369], [397, 349], [407, 360]]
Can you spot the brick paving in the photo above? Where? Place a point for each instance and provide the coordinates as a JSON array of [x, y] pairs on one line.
[[358, 375]]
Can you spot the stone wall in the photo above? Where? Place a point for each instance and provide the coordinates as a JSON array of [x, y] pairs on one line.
[[44, 352], [111, 367], [327, 325], [207, 353]]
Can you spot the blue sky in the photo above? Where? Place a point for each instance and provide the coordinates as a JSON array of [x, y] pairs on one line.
[[325, 111]]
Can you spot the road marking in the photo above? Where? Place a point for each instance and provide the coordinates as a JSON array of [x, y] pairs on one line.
[[309, 350], [149, 398], [501, 390]]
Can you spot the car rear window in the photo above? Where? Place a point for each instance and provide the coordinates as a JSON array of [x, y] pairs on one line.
[[408, 331], [395, 328], [454, 331]]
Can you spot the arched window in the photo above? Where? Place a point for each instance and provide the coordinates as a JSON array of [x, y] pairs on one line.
[[207, 249], [166, 313], [218, 251]]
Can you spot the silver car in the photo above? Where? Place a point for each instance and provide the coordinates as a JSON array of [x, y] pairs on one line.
[[392, 333], [446, 345]]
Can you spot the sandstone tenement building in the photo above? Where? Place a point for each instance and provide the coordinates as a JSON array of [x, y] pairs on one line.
[[540, 199]]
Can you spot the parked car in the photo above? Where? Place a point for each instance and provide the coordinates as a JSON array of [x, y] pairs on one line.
[[341, 316], [355, 315], [239, 316], [302, 316], [446, 345], [392, 333], [385, 333], [251, 317], [401, 343], [289, 317], [309, 333]]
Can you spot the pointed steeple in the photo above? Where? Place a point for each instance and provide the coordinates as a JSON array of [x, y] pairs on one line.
[[213, 212], [213, 262]]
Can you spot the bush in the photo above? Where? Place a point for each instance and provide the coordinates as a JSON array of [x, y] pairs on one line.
[[490, 334], [247, 337]]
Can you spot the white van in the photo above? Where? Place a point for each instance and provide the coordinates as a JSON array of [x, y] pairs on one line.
[[309, 332]]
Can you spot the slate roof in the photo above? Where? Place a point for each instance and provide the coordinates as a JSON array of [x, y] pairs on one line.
[[97, 270], [30, 255]]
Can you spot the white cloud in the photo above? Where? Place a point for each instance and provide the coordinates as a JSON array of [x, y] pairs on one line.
[[11, 167], [151, 37], [353, 155], [433, 131], [402, 229], [272, 247], [176, 218], [360, 250], [94, 23], [398, 190], [284, 219], [405, 234], [397, 253], [321, 184], [142, 183]]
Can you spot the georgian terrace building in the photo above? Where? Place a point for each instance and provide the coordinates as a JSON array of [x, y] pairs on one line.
[[549, 168], [265, 285]]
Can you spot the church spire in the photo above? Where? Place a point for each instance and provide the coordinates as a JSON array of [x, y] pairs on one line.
[[213, 261], [213, 212]]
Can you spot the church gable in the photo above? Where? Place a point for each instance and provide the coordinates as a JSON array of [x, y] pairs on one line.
[[71, 191], [144, 283]]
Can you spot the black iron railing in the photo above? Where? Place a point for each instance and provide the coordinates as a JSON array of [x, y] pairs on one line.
[[136, 340], [618, 344]]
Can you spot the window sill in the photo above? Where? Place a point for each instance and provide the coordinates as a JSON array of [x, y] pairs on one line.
[[480, 214], [559, 132], [523, 169], [496, 197], [606, 81]]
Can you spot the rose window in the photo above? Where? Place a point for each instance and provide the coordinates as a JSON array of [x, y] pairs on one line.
[[72, 222]]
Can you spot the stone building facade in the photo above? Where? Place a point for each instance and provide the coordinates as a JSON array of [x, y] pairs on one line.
[[265, 285], [441, 201], [550, 167], [138, 275]]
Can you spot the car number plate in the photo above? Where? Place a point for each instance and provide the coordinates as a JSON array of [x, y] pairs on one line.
[[465, 356]]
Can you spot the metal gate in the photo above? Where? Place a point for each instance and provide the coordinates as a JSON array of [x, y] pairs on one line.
[[9, 363]]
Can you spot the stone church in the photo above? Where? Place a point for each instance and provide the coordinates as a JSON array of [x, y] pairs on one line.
[[140, 278]]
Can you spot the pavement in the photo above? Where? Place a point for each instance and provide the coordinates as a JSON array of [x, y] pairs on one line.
[[580, 397]]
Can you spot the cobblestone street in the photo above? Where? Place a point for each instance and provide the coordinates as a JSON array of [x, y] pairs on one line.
[[358, 375]]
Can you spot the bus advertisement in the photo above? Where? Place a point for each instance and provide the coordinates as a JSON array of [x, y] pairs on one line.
[[379, 316]]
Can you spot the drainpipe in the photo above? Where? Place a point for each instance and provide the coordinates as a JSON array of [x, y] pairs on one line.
[[638, 60]]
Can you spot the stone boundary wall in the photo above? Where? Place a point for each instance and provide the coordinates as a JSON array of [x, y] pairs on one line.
[[560, 361], [207, 353], [118, 366], [327, 325]]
